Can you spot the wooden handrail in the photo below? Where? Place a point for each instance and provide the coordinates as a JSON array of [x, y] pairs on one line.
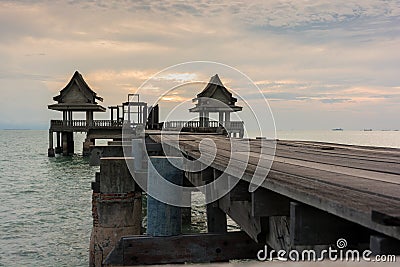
[[237, 125], [86, 124]]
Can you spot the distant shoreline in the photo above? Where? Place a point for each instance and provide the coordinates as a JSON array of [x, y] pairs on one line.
[[11, 129]]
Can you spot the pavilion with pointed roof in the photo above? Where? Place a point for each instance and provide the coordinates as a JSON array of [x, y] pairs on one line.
[[215, 98], [76, 96]]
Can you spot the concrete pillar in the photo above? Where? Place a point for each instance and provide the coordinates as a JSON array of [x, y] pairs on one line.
[[137, 152], [59, 145], [50, 151], [64, 144], [163, 219], [70, 143], [86, 146], [116, 208], [67, 143]]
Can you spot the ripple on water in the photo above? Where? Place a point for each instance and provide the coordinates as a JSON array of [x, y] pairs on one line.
[[45, 211]]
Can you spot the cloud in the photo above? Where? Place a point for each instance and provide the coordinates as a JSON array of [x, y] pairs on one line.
[[333, 54], [178, 77], [7, 75], [334, 100]]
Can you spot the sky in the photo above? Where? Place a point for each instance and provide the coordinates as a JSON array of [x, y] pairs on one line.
[[320, 64]]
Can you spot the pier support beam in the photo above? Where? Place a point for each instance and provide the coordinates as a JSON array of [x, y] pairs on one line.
[[163, 219], [187, 211], [116, 208], [310, 226], [193, 248], [266, 203], [216, 218], [384, 245]]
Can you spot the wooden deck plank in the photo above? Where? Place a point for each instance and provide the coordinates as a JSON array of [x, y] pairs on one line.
[[348, 173], [341, 152], [348, 151], [374, 187], [385, 152], [359, 161], [310, 174], [386, 171]]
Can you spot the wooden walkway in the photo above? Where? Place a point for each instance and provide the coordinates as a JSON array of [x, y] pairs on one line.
[[359, 184]]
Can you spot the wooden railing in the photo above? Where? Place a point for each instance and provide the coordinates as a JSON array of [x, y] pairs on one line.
[[84, 125], [229, 125]]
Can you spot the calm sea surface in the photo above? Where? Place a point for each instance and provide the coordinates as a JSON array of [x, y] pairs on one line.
[[45, 203]]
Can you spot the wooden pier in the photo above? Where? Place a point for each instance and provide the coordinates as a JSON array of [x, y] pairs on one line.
[[286, 195], [359, 184], [314, 194]]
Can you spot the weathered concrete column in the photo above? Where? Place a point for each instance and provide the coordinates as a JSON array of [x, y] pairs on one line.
[[163, 219], [59, 145], [137, 152], [86, 146], [68, 143], [116, 208], [50, 151]]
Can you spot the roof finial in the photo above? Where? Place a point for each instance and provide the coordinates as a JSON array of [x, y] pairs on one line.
[[215, 80]]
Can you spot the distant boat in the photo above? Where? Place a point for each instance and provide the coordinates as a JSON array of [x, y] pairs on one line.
[[337, 129], [367, 130]]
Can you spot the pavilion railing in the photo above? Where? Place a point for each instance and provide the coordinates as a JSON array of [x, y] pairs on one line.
[[229, 125], [83, 124]]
